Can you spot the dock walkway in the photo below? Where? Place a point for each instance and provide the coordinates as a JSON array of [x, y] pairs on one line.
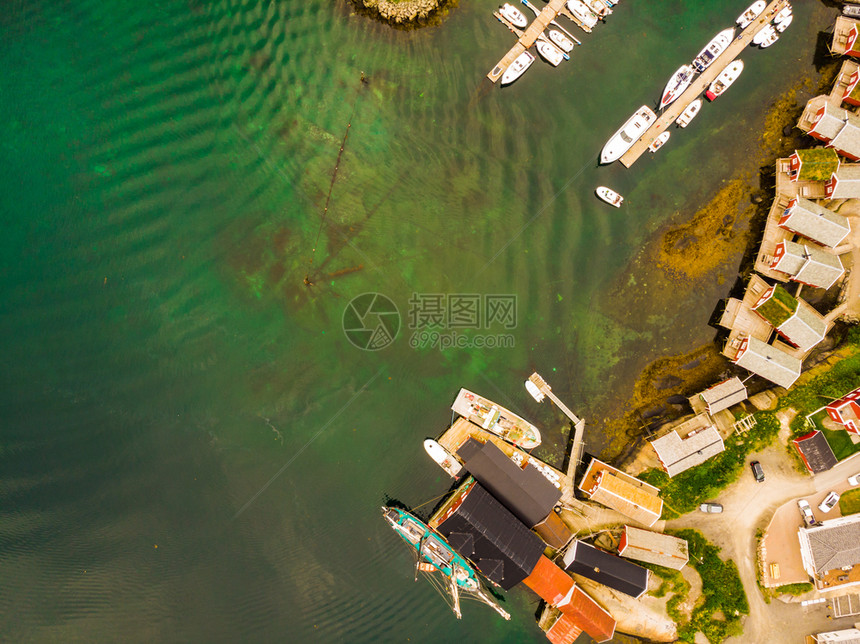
[[701, 82]]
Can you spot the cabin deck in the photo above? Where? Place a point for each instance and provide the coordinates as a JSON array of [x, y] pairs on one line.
[[700, 83]]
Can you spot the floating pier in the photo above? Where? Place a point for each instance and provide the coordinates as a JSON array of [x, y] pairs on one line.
[[700, 83]]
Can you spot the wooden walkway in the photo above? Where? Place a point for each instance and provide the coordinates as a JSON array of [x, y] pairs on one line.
[[528, 37], [673, 111], [578, 424]]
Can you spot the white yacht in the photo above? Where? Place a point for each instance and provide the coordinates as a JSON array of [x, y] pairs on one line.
[[629, 133]]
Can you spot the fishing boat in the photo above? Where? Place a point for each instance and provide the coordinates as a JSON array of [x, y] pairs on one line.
[[713, 49], [518, 67], [560, 40], [657, 143], [496, 419], [782, 26], [722, 82], [613, 199], [549, 52], [689, 112], [443, 458], [680, 81], [582, 13], [752, 12], [763, 34], [513, 15], [435, 555], [629, 133]]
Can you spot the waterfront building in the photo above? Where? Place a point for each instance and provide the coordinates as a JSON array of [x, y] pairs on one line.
[[844, 183], [653, 547], [817, 223], [830, 552], [689, 444], [846, 411], [767, 361], [845, 41], [832, 125], [816, 164], [815, 452], [621, 492], [719, 397], [795, 320], [807, 264], [605, 568]]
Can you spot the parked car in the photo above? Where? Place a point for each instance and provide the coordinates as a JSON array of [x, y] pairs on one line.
[[829, 502], [757, 471], [806, 513], [854, 480], [710, 507]]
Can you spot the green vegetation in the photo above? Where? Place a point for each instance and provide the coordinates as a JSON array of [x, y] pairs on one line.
[[688, 489], [793, 589], [818, 164], [779, 307], [849, 502], [722, 592]]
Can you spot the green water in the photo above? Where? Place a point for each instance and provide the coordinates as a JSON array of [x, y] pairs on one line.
[[169, 380]]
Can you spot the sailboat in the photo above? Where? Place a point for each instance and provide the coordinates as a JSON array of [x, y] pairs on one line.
[[435, 556]]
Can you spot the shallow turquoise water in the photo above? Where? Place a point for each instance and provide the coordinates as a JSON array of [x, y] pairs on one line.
[[170, 381]]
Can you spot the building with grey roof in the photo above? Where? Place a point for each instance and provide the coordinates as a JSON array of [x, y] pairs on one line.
[[821, 119], [814, 222], [807, 264], [844, 182], [690, 444], [721, 396], [832, 548], [795, 320], [653, 547], [768, 362]]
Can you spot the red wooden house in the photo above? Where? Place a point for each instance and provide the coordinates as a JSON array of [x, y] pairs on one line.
[[846, 411]]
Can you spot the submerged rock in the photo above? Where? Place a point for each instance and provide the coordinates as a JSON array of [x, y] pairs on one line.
[[404, 13]]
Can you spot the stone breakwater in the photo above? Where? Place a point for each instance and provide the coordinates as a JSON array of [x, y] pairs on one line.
[[405, 12]]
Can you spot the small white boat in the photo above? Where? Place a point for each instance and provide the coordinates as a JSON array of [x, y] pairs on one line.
[[763, 34], [599, 7], [627, 135], [680, 81], [443, 458], [782, 26], [513, 15], [609, 196], [713, 49], [782, 15], [549, 52], [560, 40], [689, 112], [771, 38], [722, 82], [657, 143], [752, 12], [582, 13], [518, 67]]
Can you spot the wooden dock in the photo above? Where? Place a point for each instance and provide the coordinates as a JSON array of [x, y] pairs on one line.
[[700, 84], [528, 37], [578, 424]]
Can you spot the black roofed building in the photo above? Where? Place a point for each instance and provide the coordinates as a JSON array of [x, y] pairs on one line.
[[815, 451], [605, 568], [481, 529]]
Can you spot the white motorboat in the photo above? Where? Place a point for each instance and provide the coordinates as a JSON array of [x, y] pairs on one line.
[[599, 7], [713, 49], [752, 12], [763, 34], [782, 26], [513, 15], [771, 38], [629, 133], [680, 81], [657, 143], [582, 13], [782, 15], [518, 67], [689, 112], [609, 196], [549, 52], [722, 82], [443, 458], [560, 40]]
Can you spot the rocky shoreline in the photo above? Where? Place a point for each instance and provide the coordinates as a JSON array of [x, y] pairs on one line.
[[406, 13]]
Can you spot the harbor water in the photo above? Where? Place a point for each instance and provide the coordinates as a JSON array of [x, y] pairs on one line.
[[191, 446]]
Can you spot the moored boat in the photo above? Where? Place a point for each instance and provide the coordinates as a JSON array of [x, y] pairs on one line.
[[496, 419], [763, 34], [722, 82], [518, 67], [783, 15], [560, 40], [713, 49], [435, 554], [443, 458], [689, 113], [582, 13], [771, 38], [782, 26], [657, 143], [680, 81], [599, 7], [752, 12], [609, 196], [627, 135], [549, 52], [513, 15]]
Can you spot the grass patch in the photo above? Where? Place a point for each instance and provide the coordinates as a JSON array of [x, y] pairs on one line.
[[682, 493], [849, 502], [793, 589], [722, 592]]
